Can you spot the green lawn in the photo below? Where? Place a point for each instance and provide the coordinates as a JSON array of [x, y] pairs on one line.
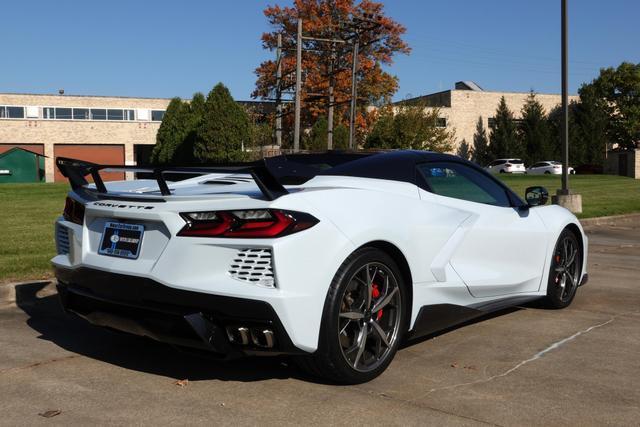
[[602, 195], [28, 211], [27, 214]]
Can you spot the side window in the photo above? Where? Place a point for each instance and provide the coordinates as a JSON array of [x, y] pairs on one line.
[[463, 182]]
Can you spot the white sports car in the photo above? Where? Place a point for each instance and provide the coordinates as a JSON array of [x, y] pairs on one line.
[[331, 258], [548, 167]]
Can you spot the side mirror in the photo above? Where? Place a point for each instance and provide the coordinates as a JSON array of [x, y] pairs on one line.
[[536, 196]]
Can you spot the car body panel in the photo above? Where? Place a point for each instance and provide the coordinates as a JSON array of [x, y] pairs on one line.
[[458, 253]]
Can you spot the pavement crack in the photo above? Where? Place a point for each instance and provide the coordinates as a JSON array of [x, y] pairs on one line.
[[520, 364], [38, 364]]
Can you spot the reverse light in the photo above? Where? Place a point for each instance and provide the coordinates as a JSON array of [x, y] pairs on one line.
[[73, 211], [250, 223]]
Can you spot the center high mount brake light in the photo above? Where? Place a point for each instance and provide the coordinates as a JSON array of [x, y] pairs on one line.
[[250, 223]]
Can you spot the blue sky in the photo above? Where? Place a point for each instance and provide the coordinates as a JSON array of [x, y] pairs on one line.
[[174, 48]]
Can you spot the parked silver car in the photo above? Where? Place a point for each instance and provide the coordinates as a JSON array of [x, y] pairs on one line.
[[548, 167], [506, 166]]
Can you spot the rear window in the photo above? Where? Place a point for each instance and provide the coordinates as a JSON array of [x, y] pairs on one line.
[[516, 161]]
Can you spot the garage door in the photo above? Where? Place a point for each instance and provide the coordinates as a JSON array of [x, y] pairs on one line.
[[35, 148], [103, 154]]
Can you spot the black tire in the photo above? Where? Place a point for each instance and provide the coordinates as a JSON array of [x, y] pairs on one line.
[[331, 361], [547, 173], [564, 280], [502, 171]]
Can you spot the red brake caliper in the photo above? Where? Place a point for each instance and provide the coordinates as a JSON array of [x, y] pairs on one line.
[[375, 293]]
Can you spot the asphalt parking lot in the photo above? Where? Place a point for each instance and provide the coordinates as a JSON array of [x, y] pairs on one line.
[[526, 366]]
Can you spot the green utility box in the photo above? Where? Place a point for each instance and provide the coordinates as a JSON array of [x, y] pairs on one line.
[[20, 165]]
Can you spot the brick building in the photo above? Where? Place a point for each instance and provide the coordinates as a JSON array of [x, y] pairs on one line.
[[122, 130], [461, 107], [95, 128]]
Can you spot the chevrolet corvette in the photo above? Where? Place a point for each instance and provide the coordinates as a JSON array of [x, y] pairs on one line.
[[332, 258]]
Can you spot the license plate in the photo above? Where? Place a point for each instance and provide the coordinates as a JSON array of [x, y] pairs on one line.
[[121, 240]]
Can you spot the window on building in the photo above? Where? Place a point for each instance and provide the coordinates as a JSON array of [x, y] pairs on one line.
[[63, 114], [81, 114], [48, 113], [115, 115], [129, 114], [441, 122], [3, 112], [157, 115], [98, 114], [14, 112]]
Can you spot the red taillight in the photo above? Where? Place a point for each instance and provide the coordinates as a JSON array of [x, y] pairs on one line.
[[261, 223], [73, 211]]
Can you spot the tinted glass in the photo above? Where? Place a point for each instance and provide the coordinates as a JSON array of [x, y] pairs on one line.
[[63, 114], [129, 115], [516, 161], [81, 113], [463, 182], [115, 115], [3, 112], [98, 114], [48, 112], [157, 115], [15, 112]]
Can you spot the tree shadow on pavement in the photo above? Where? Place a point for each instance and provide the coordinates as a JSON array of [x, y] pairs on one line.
[[71, 333]]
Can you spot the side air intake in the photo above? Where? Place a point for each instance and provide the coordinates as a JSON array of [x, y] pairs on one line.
[[253, 265]]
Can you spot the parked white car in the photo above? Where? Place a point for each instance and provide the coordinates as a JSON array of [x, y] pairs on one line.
[[333, 266], [548, 167], [506, 166]]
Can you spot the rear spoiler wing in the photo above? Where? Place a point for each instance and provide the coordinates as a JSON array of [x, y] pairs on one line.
[[76, 172]]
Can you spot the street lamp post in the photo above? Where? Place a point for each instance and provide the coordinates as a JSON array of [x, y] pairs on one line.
[[564, 197]]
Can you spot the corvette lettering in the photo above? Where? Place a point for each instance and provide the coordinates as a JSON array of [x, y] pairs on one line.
[[119, 206]]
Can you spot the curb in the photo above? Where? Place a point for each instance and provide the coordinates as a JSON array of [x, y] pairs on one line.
[[42, 288], [611, 220]]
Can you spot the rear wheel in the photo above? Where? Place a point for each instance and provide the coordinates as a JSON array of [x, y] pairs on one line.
[[566, 267], [547, 173], [363, 321]]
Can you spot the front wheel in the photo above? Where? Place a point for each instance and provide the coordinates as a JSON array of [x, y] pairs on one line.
[[363, 321], [564, 274]]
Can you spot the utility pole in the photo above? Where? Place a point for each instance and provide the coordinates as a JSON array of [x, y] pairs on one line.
[[279, 92], [331, 99], [296, 128], [563, 196], [354, 91], [565, 101]]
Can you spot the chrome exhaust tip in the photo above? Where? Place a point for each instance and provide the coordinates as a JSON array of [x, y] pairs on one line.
[[263, 338], [238, 335]]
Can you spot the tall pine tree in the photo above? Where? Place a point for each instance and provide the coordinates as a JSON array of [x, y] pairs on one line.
[[481, 153], [504, 135], [171, 133], [534, 132], [225, 129]]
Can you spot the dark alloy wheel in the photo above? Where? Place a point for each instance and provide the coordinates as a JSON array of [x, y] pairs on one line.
[[369, 318], [363, 320], [566, 267]]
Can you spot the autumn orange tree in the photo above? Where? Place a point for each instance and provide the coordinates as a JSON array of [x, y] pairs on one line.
[[380, 38]]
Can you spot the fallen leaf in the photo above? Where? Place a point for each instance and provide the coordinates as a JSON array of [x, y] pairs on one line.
[[182, 383], [454, 365], [51, 413]]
